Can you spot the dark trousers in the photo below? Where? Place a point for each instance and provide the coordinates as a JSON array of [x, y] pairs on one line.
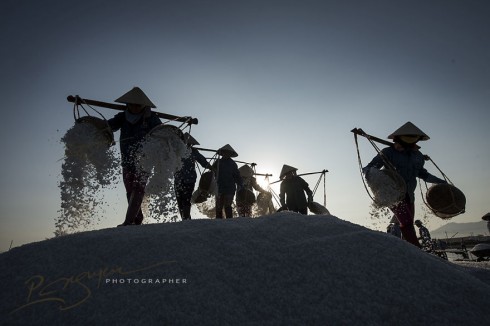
[[183, 193], [405, 213], [224, 201], [135, 184]]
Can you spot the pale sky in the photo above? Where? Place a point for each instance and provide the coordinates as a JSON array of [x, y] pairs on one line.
[[283, 82]]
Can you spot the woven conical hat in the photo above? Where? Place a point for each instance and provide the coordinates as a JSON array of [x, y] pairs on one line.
[[409, 129], [227, 149], [246, 171], [135, 96], [190, 140], [286, 169]]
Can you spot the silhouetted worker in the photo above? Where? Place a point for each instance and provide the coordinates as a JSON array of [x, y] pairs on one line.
[[394, 228], [292, 191], [245, 198], [424, 235], [228, 180], [405, 156], [135, 123], [185, 178]]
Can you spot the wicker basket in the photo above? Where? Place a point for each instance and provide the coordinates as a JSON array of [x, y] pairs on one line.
[[388, 187], [155, 131], [199, 196], [318, 209], [445, 200], [245, 197], [101, 125], [207, 182]]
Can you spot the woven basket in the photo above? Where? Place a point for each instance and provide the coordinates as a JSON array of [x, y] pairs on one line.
[[445, 200], [207, 182], [155, 131], [101, 125], [318, 209], [390, 180], [199, 196], [245, 197]]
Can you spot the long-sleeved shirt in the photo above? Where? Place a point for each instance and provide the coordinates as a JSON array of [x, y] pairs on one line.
[[132, 134], [292, 193], [187, 173], [227, 176]]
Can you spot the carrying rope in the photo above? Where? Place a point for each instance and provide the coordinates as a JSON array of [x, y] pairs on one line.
[[322, 175], [77, 106], [360, 167], [275, 196], [428, 158], [386, 162]]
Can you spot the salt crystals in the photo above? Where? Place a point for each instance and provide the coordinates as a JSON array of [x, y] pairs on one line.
[[89, 165], [387, 189], [208, 207], [161, 156]]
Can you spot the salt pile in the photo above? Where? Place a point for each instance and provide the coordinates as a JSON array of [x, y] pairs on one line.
[[160, 156], [387, 190], [89, 166], [283, 269]]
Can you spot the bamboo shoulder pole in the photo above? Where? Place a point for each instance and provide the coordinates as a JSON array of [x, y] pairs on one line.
[[360, 132], [78, 100]]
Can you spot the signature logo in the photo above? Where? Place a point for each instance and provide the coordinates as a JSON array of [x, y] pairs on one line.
[[72, 291]]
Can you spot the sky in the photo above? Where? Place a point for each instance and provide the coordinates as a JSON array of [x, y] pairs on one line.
[[282, 82], [284, 269]]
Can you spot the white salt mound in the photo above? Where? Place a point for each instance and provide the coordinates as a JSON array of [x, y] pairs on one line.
[[284, 269]]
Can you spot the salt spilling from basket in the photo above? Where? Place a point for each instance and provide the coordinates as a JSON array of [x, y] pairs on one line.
[[89, 165], [387, 186], [161, 156]]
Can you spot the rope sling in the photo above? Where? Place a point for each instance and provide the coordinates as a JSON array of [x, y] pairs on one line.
[[389, 167]]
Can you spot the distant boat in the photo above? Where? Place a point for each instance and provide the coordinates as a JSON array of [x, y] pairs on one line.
[[481, 250]]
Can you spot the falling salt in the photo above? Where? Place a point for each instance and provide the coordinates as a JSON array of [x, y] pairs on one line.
[[380, 217], [89, 165], [161, 156]]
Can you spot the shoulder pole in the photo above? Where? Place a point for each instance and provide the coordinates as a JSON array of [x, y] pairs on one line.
[[79, 101]]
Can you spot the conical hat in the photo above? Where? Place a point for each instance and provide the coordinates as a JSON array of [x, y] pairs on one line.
[[409, 129], [135, 96], [228, 150], [188, 139], [286, 169], [486, 217], [246, 171]]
